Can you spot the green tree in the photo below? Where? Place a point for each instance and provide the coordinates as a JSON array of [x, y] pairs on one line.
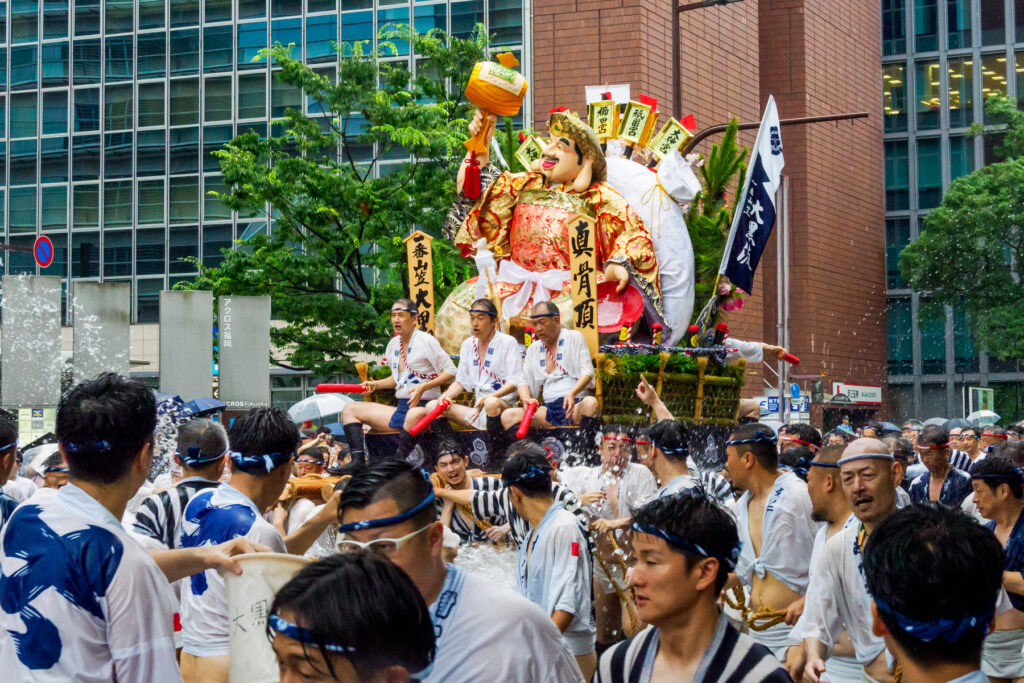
[[971, 247], [335, 258]]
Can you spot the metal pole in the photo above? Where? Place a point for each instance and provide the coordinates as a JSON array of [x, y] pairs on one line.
[[718, 128], [677, 92], [780, 199], [785, 276]]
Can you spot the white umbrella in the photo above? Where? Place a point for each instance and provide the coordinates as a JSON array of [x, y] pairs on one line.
[[983, 417], [36, 456], [318, 406]]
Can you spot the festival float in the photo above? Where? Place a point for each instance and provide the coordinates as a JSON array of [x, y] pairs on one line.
[[619, 233]]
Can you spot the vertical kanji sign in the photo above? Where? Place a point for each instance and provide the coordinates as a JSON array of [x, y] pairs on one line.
[[583, 262], [421, 277]]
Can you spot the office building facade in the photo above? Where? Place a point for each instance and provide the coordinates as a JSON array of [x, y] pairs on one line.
[[941, 60]]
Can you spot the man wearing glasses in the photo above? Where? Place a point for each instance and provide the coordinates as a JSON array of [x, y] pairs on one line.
[[559, 368], [389, 508], [941, 483]]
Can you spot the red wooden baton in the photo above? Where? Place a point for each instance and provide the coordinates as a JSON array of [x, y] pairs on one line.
[[441, 406], [339, 388], [524, 426]]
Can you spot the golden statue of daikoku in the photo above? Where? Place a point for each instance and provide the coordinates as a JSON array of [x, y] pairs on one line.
[[522, 219]]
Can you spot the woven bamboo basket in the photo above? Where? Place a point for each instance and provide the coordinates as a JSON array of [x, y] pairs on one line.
[[693, 398]]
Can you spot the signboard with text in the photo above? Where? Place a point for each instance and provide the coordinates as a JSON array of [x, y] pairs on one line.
[[857, 393]]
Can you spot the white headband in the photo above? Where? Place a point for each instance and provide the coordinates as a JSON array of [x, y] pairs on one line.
[[866, 456]]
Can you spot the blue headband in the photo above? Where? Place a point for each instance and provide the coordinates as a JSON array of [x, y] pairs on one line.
[[260, 464], [544, 315], [101, 446], [532, 472], [388, 521], [866, 456], [815, 463], [407, 310], [55, 468], [682, 450], [950, 630], [759, 437], [689, 546], [4, 448], [195, 457], [1018, 471], [485, 312], [303, 635]]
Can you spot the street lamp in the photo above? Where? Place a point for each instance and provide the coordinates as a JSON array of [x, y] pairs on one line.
[[677, 105]]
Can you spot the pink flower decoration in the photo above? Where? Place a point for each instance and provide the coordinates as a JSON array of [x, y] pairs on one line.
[[732, 304]]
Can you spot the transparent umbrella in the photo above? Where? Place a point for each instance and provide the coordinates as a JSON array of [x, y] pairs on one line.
[[318, 406], [983, 417]]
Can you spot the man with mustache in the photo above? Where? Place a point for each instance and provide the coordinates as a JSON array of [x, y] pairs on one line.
[[525, 219], [837, 597]]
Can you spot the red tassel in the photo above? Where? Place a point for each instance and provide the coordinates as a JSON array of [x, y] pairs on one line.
[[471, 181]]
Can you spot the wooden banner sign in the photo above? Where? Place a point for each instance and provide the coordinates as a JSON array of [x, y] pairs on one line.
[[421, 277], [583, 262]]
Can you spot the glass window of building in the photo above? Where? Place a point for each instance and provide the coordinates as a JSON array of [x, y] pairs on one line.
[[287, 32], [214, 138], [897, 176], [117, 114], [23, 209], [900, 337], [320, 6], [23, 162], [117, 253], [23, 115], [119, 58], [55, 112], [86, 159], [252, 38], [117, 155], [150, 155], [215, 238], [965, 353], [149, 251], [897, 236], [429, 17], [3, 68], [185, 55], [117, 204], [24, 64], [961, 156], [252, 96], [321, 35], [153, 55], [87, 61], [55, 207], [285, 8], [993, 22], [1018, 11], [217, 10], [184, 102], [55, 18], [151, 201], [53, 160], [929, 172], [151, 104], [184, 199], [21, 263], [217, 93], [218, 48], [3, 134], [85, 204], [961, 92], [151, 14], [24, 21], [251, 9], [213, 208], [993, 77], [358, 26], [1019, 73], [59, 267], [87, 17], [55, 65], [958, 24], [992, 144], [284, 97], [182, 244], [392, 17], [184, 150], [928, 103], [86, 110], [120, 16], [147, 300], [931, 323], [184, 13]]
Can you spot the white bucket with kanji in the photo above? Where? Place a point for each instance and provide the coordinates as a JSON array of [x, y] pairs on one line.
[[250, 595]]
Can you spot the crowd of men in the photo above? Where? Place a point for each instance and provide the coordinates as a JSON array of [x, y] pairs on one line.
[[799, 556]]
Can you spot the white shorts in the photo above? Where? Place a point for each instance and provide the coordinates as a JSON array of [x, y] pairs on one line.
[[1001, 654], [842, 670]]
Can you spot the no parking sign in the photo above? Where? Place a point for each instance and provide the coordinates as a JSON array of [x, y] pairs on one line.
[[42, 250]]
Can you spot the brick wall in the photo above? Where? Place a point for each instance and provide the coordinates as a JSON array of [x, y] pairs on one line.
[[816, 57]]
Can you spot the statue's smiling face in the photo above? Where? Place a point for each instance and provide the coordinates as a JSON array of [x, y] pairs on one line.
[[561, 161]]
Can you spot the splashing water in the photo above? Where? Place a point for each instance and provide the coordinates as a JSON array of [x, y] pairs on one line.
[[497, 563]]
